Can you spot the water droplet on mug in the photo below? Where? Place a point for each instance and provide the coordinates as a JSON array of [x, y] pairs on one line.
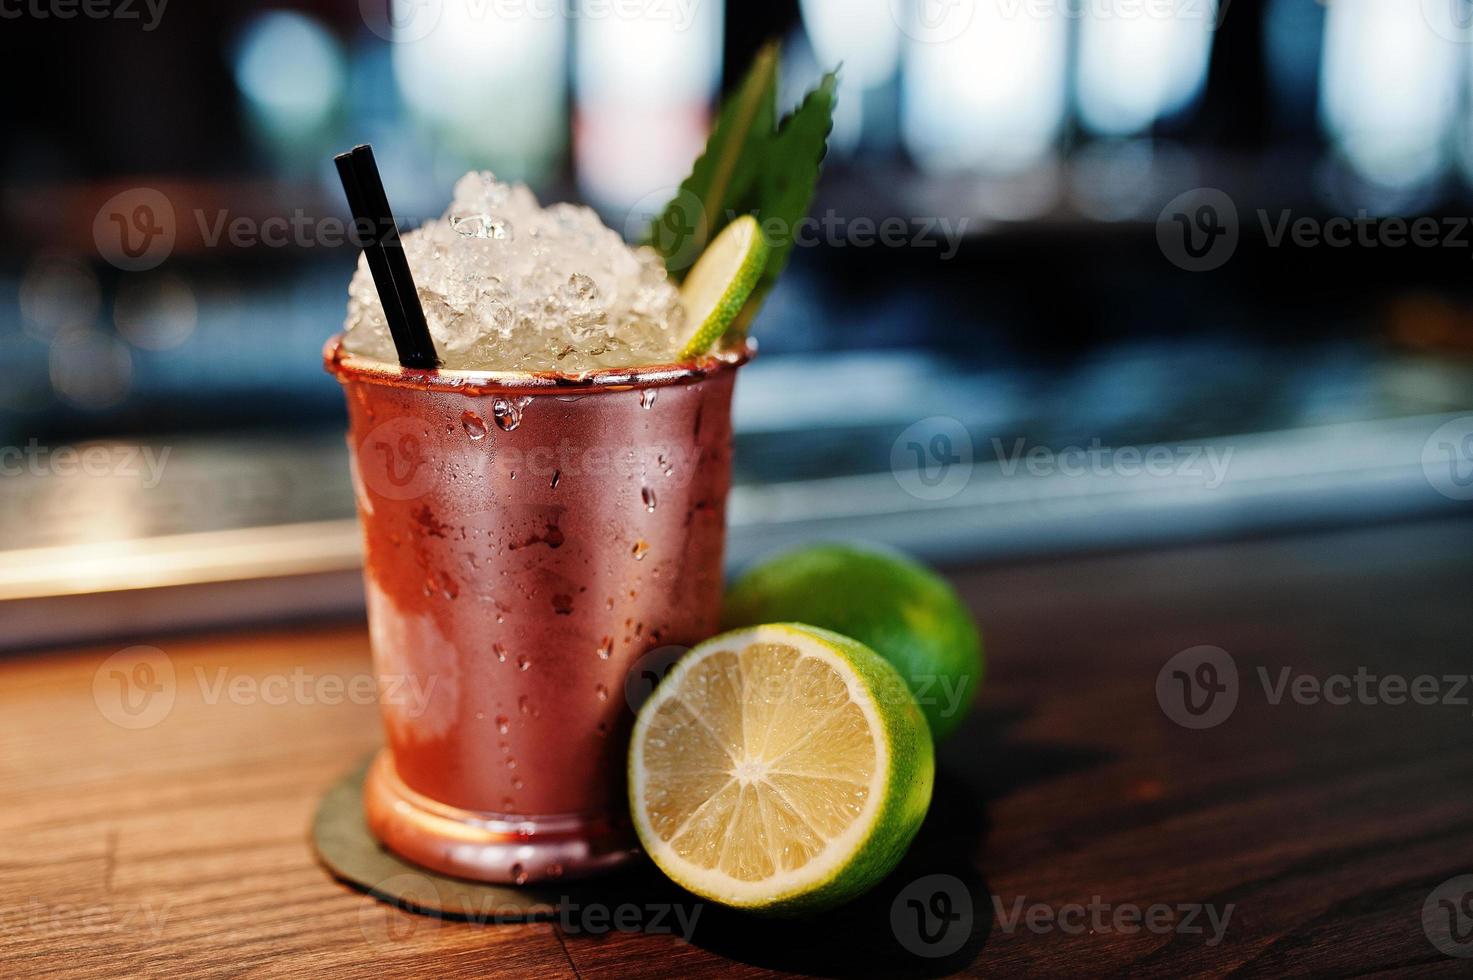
[[503, 724], [647, 398], [606, 648], [500, 652], [519, 874], [473, 426], [524, 662], [648, 496], [508, 413], [601, 691], [641, 548]]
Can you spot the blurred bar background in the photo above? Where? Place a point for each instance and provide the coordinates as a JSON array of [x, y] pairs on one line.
[[169, 271]]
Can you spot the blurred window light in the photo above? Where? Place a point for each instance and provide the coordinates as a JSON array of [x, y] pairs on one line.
[[290, 70], [57, 290], [156, 312], [1129, 179], [1389, 90], [862, 35], [1136, 68], [90, 369], [985, 92], [488, 78], [644, 79]]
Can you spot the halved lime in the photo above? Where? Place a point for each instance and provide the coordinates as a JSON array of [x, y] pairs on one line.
[[720, 283], [781, 769]]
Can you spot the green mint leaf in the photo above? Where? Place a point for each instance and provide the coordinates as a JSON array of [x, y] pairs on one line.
[[787, 185], [751, 165], [725, 173]]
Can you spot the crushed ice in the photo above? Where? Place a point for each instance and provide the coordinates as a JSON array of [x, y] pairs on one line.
[[509, 285]]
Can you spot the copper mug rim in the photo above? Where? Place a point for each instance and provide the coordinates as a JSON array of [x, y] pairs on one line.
[[348, 366]]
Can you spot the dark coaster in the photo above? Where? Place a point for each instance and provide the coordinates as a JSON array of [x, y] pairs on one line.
[[346, 848]]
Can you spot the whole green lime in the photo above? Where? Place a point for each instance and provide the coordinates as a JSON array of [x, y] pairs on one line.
[[892, 604]]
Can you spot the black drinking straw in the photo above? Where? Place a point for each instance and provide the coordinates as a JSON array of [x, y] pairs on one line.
[[370, 207]]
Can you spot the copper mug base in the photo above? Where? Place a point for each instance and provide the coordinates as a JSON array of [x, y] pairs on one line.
[[486, 846]]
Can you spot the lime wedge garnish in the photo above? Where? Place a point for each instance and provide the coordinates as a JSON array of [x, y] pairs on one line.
[[782, 768], [718, 286]]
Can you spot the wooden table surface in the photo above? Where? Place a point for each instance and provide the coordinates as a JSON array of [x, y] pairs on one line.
[[1068, 809]]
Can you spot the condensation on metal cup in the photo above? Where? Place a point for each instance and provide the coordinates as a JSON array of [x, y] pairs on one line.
[[527, 538]]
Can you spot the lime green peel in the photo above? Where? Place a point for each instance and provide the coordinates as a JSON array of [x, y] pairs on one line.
[[719, 286]]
